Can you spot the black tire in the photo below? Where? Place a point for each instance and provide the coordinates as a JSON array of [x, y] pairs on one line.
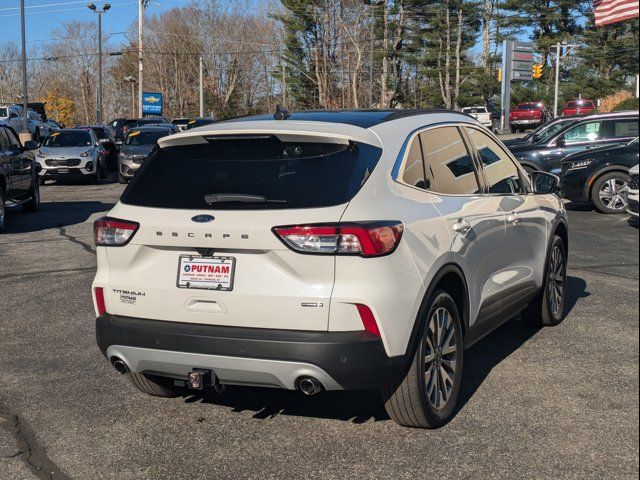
[[3, 211], [514, 130], [41, 180], [414, 400], [154, 385], [618, 198], [528, 169], [542, 311], [36, 135], [33, 205], [121, 179]]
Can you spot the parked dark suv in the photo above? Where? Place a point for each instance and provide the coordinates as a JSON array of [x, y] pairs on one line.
[[18, 174], [592, 131], [600, 176]]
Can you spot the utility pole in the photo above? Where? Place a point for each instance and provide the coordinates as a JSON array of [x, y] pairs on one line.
[[201, 89], [372, 4], [25, 118], [141, 5], [284, 85], [558, 46], [104, 10]]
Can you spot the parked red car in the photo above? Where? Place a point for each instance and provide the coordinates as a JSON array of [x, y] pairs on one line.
[[527, 115], [579, 107]]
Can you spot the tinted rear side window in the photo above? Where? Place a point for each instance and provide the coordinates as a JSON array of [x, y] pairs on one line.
[[276, 174]]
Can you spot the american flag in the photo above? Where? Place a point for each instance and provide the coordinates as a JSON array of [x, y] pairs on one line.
[[612, 11]]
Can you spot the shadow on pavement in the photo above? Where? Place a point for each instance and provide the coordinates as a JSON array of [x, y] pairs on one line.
[[489, 352], [53, 215], [361, 406]]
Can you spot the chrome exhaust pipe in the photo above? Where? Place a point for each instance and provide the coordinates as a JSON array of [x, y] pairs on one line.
[[310, 386], [120, 366]]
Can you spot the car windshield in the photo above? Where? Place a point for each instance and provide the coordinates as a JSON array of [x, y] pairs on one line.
[[4, 112], [145, 138], [68, 139], [546, 133], [100, 133], [261, 172]]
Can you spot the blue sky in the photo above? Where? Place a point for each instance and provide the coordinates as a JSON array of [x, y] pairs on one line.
[[44, 16]]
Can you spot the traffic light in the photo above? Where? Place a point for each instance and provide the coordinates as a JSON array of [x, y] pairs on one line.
[[537, 70]]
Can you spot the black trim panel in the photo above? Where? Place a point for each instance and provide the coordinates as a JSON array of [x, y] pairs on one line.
[[355, 360]]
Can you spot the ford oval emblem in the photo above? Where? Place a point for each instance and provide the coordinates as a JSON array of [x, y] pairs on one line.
[[203, 218]]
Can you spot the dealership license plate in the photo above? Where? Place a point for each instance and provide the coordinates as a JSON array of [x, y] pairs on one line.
[[208, 273]]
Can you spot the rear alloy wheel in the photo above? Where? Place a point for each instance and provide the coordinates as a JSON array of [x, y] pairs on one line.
[[427, 396], [610, 192], [548, 309]]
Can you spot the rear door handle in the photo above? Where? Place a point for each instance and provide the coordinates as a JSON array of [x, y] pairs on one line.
[[513, 219], [462, 227]]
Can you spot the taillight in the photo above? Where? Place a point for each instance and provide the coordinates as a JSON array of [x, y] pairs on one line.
[[101, 306], [113, 232], [367, 239], [368, 320]]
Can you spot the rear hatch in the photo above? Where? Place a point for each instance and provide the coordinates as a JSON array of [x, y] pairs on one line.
[[525, 112], [205, 250]]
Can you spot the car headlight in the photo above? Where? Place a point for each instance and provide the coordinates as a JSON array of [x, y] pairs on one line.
[[39, 154], [579, 164], [87, 153], [124, 156]]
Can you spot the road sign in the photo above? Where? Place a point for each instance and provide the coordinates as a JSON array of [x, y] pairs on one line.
[[152, 103], [521, 75]]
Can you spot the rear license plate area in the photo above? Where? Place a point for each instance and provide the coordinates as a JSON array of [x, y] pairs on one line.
[[206, 273]]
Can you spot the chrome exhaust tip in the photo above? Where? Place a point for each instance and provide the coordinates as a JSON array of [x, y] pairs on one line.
[[120, 366], [309, 386]]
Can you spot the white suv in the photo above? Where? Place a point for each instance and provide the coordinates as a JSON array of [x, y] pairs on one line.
[[326, 250]]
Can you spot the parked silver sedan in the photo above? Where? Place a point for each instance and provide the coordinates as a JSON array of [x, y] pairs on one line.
[[72, 154]]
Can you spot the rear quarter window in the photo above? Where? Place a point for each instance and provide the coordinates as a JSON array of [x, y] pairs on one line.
[[276, 174]]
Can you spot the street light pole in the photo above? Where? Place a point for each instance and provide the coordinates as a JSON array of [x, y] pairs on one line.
[[558, 47], [201, 89], [25, 100], [104, 10]]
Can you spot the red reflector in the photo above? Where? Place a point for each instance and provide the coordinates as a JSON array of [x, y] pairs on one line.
[[102, 308], [368, 320]]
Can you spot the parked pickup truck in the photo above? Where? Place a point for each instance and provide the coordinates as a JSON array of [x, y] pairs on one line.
[[479, 113], [527, 115], [579, 107]]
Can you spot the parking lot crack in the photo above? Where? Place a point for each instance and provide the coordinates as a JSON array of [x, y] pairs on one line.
[[88, 248], [29, 450]]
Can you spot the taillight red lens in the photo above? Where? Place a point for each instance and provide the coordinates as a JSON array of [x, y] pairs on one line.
[[368, 320], [100, 305], [113, 232], [370, 239]]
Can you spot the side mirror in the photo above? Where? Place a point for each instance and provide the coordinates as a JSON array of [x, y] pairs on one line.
[[561, 142], [30, 145], [545, 183]]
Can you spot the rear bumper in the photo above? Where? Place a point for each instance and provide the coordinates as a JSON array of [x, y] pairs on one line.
[[249, 356]]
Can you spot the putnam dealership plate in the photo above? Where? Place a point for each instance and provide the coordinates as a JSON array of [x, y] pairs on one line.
[[207, 273]]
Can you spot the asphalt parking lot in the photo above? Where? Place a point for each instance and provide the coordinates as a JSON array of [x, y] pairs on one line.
[[554, 403]]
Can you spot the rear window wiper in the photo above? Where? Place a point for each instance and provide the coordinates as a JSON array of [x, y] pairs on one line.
[[212, 198]]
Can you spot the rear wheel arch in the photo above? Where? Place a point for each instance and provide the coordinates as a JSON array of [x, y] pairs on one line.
[[452, 280]]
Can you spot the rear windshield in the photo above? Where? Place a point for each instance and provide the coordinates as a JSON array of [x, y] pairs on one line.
[[252, 173], [3, 112], [100, 133], [68, 139], [579, 104], [474, 110], [527, 106], [144, 138]]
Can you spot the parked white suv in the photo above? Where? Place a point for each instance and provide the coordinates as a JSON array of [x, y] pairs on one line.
[[327, 250], [12, 116]]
